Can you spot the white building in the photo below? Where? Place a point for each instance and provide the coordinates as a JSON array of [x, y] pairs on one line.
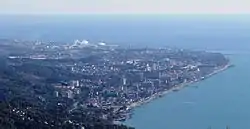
[[70, 94], [56, 93], [124, 81]]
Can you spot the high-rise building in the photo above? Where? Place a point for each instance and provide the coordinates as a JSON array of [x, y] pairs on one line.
[[148, 68], [124, 81], [141, 76], [69, 94], [137, 92], [77, 83], [154, 67], [56, 93]]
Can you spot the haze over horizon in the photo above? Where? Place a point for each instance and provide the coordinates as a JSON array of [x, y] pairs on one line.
[[124, 7], [207, 24]]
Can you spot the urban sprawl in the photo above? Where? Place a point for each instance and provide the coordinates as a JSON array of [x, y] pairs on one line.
[[82, 84]]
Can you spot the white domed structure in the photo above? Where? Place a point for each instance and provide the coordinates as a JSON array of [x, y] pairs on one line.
[[102, 44], [85, 42]]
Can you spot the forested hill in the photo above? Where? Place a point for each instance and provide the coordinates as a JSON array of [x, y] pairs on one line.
[[26, 102]]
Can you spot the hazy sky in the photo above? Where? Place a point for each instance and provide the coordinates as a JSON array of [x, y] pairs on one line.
[[124, 6]]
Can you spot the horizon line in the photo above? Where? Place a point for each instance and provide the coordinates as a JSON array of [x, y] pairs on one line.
[[226, 14]]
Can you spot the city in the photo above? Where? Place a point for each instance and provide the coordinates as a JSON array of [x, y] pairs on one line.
[[82, 84]]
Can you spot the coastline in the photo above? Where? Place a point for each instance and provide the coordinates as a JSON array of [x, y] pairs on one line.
[[177, 87]]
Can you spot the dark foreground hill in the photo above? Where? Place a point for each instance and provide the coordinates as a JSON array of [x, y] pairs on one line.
[[26, 102]]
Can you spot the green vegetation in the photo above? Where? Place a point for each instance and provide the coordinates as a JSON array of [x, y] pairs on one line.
[[27, 102]]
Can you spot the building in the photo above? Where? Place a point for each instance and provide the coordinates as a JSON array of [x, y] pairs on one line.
[[78, 91], [76, 83], [69, 94], [141, 75], [154, 67], [56, 93], [148, 68], [124, 81]]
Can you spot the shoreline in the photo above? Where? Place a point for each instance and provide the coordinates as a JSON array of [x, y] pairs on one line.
[[177, 87]]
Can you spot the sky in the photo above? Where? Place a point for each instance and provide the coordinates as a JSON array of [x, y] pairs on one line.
[[124, 6]]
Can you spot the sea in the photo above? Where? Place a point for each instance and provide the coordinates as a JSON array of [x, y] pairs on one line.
[[219, 101]]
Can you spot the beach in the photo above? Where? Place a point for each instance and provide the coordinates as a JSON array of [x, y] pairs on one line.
[[176, 88], [216, 102]]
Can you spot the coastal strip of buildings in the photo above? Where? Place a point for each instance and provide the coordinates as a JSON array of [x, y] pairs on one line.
[[104, 80]]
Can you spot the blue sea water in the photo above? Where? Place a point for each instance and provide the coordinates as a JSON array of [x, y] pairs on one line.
[[218, 101], [214, 32]]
